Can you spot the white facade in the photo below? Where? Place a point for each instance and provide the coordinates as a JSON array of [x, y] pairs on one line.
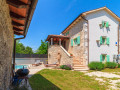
[[95, 32]]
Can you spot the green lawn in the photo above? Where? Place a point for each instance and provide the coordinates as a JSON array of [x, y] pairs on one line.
[[111, 70], [63, 80]]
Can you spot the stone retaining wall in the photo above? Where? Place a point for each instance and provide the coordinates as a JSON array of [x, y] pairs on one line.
[[53, 51]]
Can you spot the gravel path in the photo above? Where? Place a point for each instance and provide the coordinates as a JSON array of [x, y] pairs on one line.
[[105, 77], [103, 74]]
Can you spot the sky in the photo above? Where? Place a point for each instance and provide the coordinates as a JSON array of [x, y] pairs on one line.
[[53, 16]]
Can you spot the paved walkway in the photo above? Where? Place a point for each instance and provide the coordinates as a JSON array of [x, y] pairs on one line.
[[35, 69]]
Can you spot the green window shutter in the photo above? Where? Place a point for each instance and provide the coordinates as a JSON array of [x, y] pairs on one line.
[[65, 34], [108, 41], [108, 58], [101, 40], [103, 23], [107, 24], [68, 32], [78, 40], [71, 42], [100, 58]]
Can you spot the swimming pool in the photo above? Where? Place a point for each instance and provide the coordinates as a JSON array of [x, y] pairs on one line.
[[20, 66]]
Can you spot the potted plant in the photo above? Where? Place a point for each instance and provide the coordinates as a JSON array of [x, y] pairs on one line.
[[71, 54]]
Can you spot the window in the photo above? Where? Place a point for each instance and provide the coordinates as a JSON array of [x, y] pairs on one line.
[[67, 33], [104, 58], [75, 41], [105, 24], [104, 40]]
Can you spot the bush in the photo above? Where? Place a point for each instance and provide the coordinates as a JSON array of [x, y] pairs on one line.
[[118, 65], [96, 66], [111, 65], [65, 67]]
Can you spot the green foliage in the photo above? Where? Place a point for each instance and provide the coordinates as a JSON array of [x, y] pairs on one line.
[[96, 66], [28, 50], [111, 65], [118, 65], [21, 49], [65, 67], [43, 49]]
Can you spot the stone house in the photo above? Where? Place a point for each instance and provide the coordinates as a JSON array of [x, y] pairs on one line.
[[92, 36], [15, 18]]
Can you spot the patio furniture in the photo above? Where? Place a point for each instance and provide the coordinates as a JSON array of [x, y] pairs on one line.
[[37, 63]]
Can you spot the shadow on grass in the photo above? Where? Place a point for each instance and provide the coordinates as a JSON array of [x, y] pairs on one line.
[[38, 82]]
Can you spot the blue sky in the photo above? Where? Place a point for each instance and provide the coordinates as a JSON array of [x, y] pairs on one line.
[[53, 16]]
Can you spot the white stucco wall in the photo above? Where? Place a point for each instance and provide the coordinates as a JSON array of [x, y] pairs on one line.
[[95, 32]]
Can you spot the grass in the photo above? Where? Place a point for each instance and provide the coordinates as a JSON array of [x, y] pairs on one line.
[[116, 70], [63, 80], [118, 84], [111, 70]]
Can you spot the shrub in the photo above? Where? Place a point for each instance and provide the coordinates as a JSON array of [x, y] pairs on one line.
[[96, 66], [100, 66], [65, 67], [118, 65], [62, 66], [111, 64]]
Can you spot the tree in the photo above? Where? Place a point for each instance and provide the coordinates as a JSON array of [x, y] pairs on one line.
[[43, 49], [21, 49], [28, 50]]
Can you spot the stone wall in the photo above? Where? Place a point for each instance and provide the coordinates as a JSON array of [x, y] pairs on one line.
[[53, 51], [6, 46], [77, 50]]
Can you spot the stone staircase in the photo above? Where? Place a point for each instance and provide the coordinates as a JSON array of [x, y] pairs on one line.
[[79, 65]]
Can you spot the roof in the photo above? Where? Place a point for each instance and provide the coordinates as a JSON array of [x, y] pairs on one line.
[[56, 36], [89, 12], [31, 56], [21, 12]]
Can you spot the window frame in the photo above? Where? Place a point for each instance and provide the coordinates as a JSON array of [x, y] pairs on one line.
[[75, 41]]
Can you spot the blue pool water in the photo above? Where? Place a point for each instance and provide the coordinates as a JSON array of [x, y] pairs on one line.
[[20, 66]]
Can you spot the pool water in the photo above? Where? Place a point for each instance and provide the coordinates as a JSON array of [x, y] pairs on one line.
[[21, 66]]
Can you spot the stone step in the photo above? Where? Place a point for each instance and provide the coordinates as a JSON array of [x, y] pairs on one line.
[[83, 69], [77, 62], [81, 59], [78, 65]]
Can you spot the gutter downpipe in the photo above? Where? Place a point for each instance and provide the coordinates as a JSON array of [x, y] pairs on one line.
[[14, 52], [30, 14], [88, 34]]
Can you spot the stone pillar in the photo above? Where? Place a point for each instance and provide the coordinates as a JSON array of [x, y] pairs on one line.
[[51, 41], [48, 44], [60, 42]]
